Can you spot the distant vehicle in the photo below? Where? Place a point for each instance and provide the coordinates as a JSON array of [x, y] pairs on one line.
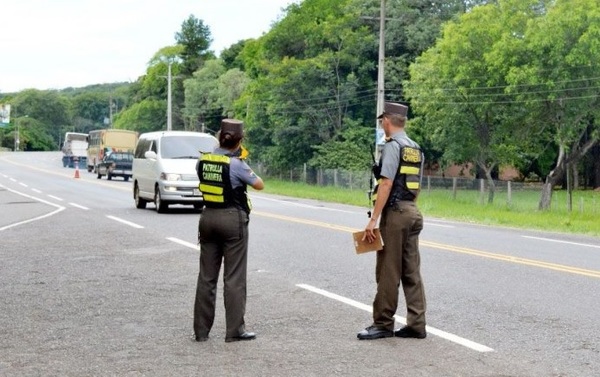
[[102, 142], [115, 164], [164, 168], [74, 149]]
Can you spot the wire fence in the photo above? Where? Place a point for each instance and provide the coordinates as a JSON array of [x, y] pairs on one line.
[[360, 180], [475, 189]]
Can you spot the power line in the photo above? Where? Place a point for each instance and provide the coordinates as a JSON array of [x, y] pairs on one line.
[[514, 102]]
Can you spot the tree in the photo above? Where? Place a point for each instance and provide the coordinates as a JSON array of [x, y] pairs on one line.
[[230, 87], [459, 89], [556, 74], [195, 37], [90, 110], [231, 56], [49, 111], [347, 153], [145, 116], [211, 95], [310, 65], [201, 95], [413, 26], [34, 136]]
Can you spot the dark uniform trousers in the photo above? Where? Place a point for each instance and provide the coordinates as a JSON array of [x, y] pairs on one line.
[[223, 238], [399, 261]]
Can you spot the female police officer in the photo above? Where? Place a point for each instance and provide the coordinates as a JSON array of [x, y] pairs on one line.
[[223, 233]]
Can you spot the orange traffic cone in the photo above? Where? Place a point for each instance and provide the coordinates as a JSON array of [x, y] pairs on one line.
[[77, 171]]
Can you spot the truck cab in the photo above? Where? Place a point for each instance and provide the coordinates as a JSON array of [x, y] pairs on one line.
[[115, 164]]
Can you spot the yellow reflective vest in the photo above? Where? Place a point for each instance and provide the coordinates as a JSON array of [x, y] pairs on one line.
[[215, 183]]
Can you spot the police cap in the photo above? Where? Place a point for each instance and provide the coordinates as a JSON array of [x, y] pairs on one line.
[[233, 127], [393, 108]]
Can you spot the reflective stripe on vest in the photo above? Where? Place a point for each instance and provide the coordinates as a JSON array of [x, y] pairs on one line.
[[409, 170]]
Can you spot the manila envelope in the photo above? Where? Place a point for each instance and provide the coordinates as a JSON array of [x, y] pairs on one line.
[[365, 246]]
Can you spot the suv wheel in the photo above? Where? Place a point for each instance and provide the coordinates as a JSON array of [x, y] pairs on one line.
[[139, 202], [161, 207]]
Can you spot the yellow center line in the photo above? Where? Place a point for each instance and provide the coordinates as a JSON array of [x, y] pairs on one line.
[[456, 249], [305, 221], [513, 259]]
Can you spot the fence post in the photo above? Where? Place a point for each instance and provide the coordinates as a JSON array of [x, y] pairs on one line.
[[481, 191], [454, 188], [429, 184], [350, 178], [581, 205], [335, 177], [305, 174], [509, 192]]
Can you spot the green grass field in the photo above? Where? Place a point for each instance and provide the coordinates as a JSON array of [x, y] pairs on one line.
[[521, 212]]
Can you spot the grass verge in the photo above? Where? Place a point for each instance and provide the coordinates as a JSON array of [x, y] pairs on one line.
[[469, 206]]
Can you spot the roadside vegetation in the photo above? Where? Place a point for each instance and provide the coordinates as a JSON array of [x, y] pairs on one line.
[[521, 212]]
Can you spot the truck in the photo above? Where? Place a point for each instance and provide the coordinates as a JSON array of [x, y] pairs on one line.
[[105, 141], [74, 150]]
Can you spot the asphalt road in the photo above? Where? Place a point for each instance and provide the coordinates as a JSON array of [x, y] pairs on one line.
[[92, 286]]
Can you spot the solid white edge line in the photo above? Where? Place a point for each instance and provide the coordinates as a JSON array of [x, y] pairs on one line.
[[79, 206], [184, 243], [58, 209], [559, 241], [431, 330], [429, 223], [133, 225]]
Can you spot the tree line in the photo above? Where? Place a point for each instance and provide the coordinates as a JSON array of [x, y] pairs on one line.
[[488, 82]]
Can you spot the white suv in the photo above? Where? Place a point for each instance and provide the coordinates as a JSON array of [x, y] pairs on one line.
[[164, 168]]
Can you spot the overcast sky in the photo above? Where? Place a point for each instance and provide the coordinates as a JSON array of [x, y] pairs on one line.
[[73, 43]]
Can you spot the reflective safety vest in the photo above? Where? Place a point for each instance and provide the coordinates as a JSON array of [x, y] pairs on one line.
[[407, 181], [215, 183]]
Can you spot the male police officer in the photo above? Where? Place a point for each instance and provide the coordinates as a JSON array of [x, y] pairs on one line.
[[223, 233], [399, 177]]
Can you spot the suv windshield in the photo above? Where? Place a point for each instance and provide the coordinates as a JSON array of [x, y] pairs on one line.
[[185, 146], [116, 156]]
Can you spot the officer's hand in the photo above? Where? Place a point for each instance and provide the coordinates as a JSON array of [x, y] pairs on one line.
[[369, 236]]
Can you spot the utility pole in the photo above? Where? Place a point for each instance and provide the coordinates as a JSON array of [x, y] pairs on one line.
[[380, 81], [169, 108], [170, 77], [14, 117], [17, 141], [110, 111]]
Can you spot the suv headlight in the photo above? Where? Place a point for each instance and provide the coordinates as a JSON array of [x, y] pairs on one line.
[[170, 177]]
